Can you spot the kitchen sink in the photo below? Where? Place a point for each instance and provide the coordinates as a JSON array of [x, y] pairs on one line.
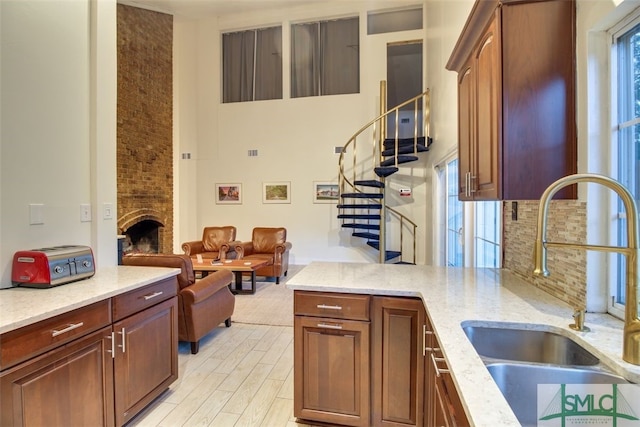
[[519, 383], [524, 345]]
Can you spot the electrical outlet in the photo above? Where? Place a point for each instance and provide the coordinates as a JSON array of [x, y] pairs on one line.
[[85, 212]]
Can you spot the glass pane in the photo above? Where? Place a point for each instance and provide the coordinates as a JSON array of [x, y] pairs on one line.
[[487, 234], [454, 216], [305, 60], [394, 20], [237, 66], [340, 57], [628, 47], [269, 64]]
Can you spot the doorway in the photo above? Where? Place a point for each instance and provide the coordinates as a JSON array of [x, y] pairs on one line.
[[404, 81]]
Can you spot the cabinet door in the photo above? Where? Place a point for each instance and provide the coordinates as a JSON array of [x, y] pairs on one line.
[[488, 123], [146, 359], [466, 133], [445, 404], [397, 361], [331, 370], [69, 386]]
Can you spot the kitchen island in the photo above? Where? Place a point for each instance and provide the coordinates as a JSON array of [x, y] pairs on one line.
[[91, 352], [452, 296]]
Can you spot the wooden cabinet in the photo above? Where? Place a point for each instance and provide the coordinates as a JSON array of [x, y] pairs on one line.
[[397, 361], [146, 347], [80, 368], [442, 403], [69, 386], [515, 61], [331, 358]]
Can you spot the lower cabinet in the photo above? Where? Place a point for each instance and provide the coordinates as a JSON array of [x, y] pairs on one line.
[[397, 361], [443, 407], [363, 360], [84, 369], [69, 386], [145, 361], [331, 358]]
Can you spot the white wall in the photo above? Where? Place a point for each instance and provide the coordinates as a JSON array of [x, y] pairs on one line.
[[57, 142]]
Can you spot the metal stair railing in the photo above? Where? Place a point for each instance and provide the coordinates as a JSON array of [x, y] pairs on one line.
[[377, 127]]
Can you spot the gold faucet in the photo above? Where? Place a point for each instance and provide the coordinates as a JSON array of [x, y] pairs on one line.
[[631, 332]]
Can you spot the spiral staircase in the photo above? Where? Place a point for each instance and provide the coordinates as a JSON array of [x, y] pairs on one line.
[[366, 164]]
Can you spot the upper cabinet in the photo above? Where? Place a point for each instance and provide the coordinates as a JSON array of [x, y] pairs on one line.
[[516, 99]]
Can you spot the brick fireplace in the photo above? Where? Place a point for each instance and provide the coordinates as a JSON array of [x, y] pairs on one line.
[[145, 129]]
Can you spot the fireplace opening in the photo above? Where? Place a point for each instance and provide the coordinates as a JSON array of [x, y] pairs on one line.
[[142, 237]]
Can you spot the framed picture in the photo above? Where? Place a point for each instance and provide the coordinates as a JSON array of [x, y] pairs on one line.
[[276, 192], [229, 194], [325, 192]]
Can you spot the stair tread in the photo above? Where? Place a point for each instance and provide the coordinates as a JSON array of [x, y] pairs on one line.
[[365, 235], [404, 150], [361, 195], [388, 254], [370, 183], [401, 159], [385, 171], [391, 142], [358, 216], [362, 226], [360, 206]]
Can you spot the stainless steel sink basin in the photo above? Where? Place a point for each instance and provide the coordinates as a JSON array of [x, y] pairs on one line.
[[527, 346], [519, 384]]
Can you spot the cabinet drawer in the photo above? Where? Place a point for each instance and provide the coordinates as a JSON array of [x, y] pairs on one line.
[[29, 341], [137, 300], [333, 305]]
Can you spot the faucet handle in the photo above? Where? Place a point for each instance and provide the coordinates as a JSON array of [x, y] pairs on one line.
[[578, 316]]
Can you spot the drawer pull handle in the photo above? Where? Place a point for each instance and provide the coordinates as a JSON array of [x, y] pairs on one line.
[[153, 295], [328, 326], [124, 335], [71, 327], [113, 345], [329, 307], [435, 361]]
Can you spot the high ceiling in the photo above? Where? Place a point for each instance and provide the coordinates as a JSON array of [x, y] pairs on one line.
[[200, 8]]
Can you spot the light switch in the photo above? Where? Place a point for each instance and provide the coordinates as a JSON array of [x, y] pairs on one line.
[[107, 211], [36, 213], [85, 212]]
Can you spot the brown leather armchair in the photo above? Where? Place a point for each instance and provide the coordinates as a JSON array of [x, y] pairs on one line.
[[267, 244], [202, 304], [216, 243]]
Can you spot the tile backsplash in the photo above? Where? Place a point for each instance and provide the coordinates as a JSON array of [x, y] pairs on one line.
[[567, 222]]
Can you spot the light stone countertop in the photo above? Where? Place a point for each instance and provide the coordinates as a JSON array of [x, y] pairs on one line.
[[455, 295], [24, 306]]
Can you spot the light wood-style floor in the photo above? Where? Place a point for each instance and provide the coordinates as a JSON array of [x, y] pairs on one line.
[[242, 376]]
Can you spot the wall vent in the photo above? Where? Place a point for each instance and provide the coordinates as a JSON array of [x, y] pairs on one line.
[[186, 156], [252, 153]]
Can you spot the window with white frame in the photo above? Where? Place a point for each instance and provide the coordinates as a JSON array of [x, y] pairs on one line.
[[625, 60], [473, 230], [252, 65], [325, 58]]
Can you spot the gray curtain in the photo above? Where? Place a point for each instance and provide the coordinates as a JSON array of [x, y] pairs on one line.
[[305, 60], [340, 52], [237, 66], [325, 58], [268, 75]]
